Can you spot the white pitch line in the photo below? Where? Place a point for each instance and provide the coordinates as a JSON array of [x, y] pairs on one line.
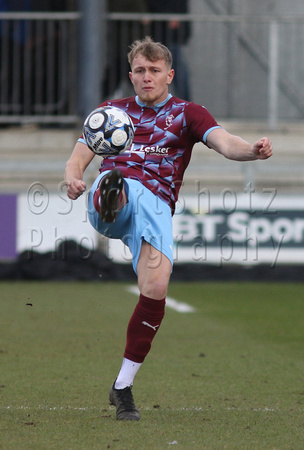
[[170, 302], [112, 408]]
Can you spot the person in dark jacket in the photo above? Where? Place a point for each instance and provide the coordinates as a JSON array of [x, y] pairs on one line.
[[174, 34]]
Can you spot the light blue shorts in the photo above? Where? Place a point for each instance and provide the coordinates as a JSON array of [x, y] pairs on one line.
[[144, 217]]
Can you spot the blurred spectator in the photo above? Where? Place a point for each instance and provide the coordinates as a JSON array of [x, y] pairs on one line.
[[174, 34], [23, 80], [121, 34], [14, 37]]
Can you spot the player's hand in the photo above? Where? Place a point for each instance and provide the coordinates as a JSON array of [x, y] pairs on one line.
[[263, 148], [75, 189]]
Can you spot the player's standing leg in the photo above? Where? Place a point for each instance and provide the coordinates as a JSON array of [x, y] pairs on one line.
[[154, 271]]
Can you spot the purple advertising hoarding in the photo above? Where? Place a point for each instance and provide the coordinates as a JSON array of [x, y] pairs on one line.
[[8, 226]]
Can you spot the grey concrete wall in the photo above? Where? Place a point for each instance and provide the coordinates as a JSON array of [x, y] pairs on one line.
[[230, 62]]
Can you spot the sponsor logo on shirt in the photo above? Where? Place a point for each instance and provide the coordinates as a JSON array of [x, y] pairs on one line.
[[156, 149]]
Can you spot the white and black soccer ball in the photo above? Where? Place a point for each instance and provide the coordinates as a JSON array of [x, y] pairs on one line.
[[108, 131]]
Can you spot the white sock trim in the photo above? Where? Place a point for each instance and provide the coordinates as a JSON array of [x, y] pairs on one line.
[[127, 373]]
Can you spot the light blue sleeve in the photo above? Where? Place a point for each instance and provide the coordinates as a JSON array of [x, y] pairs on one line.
[[208, 131]]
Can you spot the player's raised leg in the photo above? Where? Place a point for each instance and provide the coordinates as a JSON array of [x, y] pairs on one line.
[[111, 195]]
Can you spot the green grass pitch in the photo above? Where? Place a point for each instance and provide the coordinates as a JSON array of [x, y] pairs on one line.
[[229, 375]]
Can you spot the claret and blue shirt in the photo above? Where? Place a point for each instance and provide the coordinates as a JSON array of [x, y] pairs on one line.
[[162, 145], [153, 169]]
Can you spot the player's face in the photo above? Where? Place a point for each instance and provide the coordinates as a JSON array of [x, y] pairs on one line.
[[151, 79]]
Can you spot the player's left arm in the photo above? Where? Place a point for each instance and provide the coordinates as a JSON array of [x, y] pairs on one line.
[[236, 148]]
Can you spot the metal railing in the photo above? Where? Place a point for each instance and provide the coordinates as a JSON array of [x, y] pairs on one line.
[[38, 57], [241, 67], [248, 67]]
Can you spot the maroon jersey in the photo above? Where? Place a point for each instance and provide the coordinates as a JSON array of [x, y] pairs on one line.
[[162, 145]]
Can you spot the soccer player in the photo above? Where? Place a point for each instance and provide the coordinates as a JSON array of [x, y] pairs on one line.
[[133, 197]]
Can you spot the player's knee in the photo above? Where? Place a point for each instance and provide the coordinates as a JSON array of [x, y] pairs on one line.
[[154, 288]]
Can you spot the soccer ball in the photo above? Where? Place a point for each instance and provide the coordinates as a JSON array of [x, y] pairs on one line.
[[108, 131]]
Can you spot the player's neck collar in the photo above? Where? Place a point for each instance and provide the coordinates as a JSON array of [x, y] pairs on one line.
[[159, 105]]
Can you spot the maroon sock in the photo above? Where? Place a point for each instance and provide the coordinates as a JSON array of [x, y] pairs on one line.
[[143, 325]]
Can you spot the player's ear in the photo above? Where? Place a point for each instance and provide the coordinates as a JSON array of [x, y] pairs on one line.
[[130, 76], [170, 76]]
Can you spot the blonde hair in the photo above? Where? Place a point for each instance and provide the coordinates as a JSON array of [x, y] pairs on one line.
[[151, 50]]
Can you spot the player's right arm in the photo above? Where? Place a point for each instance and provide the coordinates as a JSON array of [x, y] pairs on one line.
[[75, 168]]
